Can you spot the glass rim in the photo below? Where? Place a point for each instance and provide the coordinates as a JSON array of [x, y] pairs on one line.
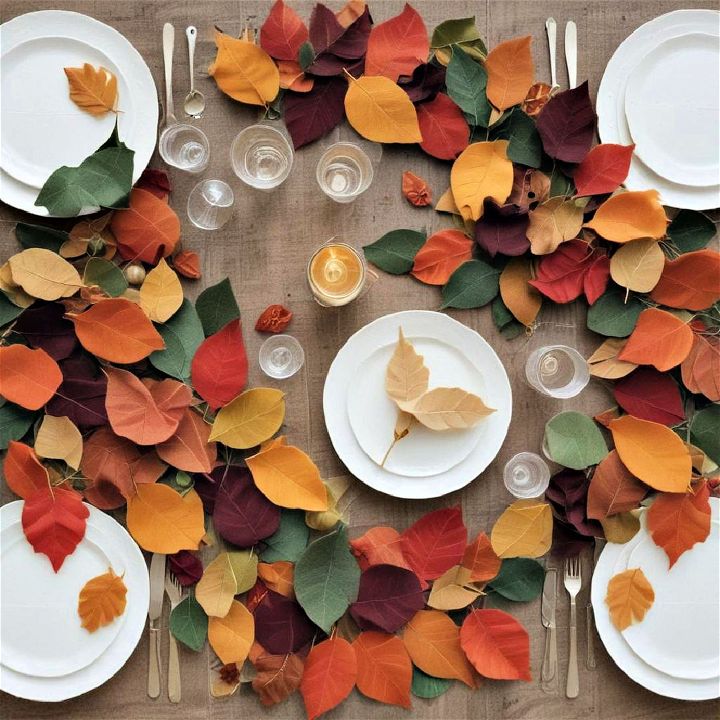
[[269, 128], [207, 181], [238, 166], [370, 175]]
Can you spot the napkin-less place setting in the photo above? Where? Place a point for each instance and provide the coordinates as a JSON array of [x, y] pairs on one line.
[[127, 422]]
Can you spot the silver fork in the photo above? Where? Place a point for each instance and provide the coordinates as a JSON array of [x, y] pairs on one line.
[[573, 583], [174, 593]]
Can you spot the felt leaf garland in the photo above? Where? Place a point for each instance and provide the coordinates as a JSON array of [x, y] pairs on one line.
[[660, 339], [93, 90], [384, 670], [44, 274], [629, 597], [101, 600], [690, 282], [232, 635], [249, 419], [629, 216], [329, 677], [510, 72], [58, 438], [23, 472], [524, 529], [28, 377], [161, 294]]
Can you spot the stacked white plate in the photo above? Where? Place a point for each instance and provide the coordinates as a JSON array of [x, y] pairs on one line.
[[661, 91], [675, 650], [46, 654], [360, 417]]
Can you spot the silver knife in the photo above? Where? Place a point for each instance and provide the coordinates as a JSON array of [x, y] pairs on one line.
[[157, 593], [548, 673], [571, 52]]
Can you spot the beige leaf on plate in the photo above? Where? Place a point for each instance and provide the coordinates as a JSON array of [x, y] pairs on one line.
[[448, 592], [161, 294], [44, 274], [604, 363], [523, 530], [552, 223], [92, 89], [521, 299], [406, 378], [629, 597], [59, 439], [449, 409], [638, 265]]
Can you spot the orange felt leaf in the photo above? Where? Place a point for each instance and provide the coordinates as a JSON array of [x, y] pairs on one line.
[[629, 597], [278, 576], [384, 670], [659, 339], [677, 521], [520, 298], [415, 190], [379, 546], [277, 676], [232, 636], [187, 263], [691, 282], [653, 453], [28, 378], [117, 330], [510, 72], [613, 489], [23, 472], [101, 600], [329, 677], [701, 368], [293, 78], [350, 12], [480, 559], [92, 89], [629, 216], [496, 644], [189, 447], [441, 255], [536, 99], [432, 640]]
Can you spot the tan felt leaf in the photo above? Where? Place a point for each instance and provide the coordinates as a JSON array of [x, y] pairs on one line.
[[604, 362], [554, 222], [629, 597], [448, 409], [638, 265], [161, 294], [92, 89], [407, 376], [15, 294], [446, 203], [448, 592], [620, 528], [44, 274], [59, 439], [521, 299], [217, 587], [523, 530], [250, 419], [101, 600]]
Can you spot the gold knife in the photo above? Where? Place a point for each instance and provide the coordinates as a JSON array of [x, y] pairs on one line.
[[157, 593], [548, 673]]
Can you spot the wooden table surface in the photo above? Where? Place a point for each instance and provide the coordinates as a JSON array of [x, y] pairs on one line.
[[264, 250]]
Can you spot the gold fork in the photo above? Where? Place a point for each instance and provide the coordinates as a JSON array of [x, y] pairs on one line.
[[174, 593]]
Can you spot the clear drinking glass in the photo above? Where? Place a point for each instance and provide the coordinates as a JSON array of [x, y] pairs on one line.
[[337, 274], [557, 371], [262, 156], [281, 356], [210, 204], [185, 147], [344, 172], [526, 475]]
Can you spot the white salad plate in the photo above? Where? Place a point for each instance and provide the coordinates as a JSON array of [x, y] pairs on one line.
[[41, 128], [360, 418]]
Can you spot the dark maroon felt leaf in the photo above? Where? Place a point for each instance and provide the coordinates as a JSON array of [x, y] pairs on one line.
[[309, 116], [43, 326], [351, 44], [567, 541], [388, 597], [328, 65], [324, 28], [81, 395], [186, 567], [502, 229], [567, 125], [651, 395], [425, 83], [242, 515], [561, 275], [155, 181], [206, 487], [596, 278], [281, 625], [567, 494]]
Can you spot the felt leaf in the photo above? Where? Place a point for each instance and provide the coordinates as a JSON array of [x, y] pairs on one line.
[[186, 567], [106, 275], [277, 677], [510, 72], [650, 395], [92, 89], [189, 623], [218, 586], [381, 111], [690, 230], [161, 294], [448, 592], [23, 472], [216, 307], [653, 453], [473, 284], [329, 677], [308, 116], [519, 579], [502, 229], [101, 600], [379, 546], [659, 339], [442, 254], [249, 419], [327, 579], [415, 190], [273, 319], [621, 527], [43, 326], [14, 423], [433, 642], [454, 32], [448, 409], [613, 489], [676, 521], [281, 626], [187, 263], [278, 576], [523, 529], [283, 32], [690, 282], [53, 521], [604, 361], [395, 251], [406, 377], [290, 539], [596, 278], [323, 520], [164, 521], [384, 670], [232, 635], [603, 169], [479, 560], [573, 440], [8, 309], [523, 300], [44, 274], [638, 264], [519, 130], [567, 492], [58, 438], [426, 81], [29, 378], [701, 368], [329, 36], [189, 448], [426, 686], [11, 291], [553, 222], [482, 171], [182, 335], [630, 216], [703, 431], [466, 85], [30, 236], [629, 597], [443, 126], [615, 315]]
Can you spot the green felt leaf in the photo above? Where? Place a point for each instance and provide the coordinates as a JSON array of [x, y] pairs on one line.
[[395, 251], [612, 316], [519, 579], [8, 310], [466, 82], [107, 275], [216, 306], [289, 541], [495, 601], [505, 321], [14, 423], [691, 230], [574, 440], [183, 334], [189, 623], [519, 130], [38, 236], [473, 284], [427, 686], [705, 433], [327, 577], [451, 32], [560, 184], [306, 55]]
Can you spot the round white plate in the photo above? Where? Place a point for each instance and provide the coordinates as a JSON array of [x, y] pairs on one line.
[[672, 105], [612, 122], [114, 543], [41, 129], [384, 332]]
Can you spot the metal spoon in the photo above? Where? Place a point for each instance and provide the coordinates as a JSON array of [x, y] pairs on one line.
[[195, 100]]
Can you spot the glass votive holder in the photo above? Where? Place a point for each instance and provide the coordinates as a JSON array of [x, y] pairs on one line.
[[281, 356], [344, 172], [185, 147], [526, 475], [557, 371], [262, 156], [210, 204]]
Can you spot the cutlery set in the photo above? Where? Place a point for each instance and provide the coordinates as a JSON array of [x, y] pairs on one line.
[[570, 51]]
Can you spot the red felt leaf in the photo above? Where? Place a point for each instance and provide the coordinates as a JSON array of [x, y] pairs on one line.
[[186, 567], [443, 128], [701, 368], [650, 395], [691, 282], [23, 472], [416, 190], [187, 263], [379, 546], [604, 169], [330, 673], [384, 670], [281, 625], [441, 255], [596, 278], [273, 319], [561, 275], [309, 116], [283, 32], [53, 520]]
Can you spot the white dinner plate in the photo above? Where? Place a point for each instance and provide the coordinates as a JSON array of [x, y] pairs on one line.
[[612, 121], [383, 333], [49, 596], [41, 128]]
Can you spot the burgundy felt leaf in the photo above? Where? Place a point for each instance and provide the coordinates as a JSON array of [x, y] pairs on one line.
[[567, 494], [281, 625], [155, 181], [206, 487], [352, 42], [596, 278], [53, 520], [425, 83], [329, 65], [604, 169], [649, 394], [220, 367], [44, 327], [443, 127], [325, 28], [283, 32], [186, 567], [567, 541], [387, 599], [242, 514], [502, 229], [567, 125], [613, 489], [309, 116], [561, 274]]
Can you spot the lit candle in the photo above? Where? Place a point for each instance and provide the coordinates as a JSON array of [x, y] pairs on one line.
[[336, 274]]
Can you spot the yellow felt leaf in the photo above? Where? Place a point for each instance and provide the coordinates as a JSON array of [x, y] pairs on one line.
[[448, 592], [289, 478], [523, 530], [250, 419], [510, 72], [15, 294], [59, 439], [163, 521], [93, 90], [232, 636], [101, 600], [553, 222], [629, 216], [244, 71], [621, 527], [161, 294], [481, 171], [244, 564], [638, 265], [604, 361], [629, 597], [323, 520], [381, 111], [406, 377], [446, 203], [44, 274], [217, 587], [448, 409], [521, 299]]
